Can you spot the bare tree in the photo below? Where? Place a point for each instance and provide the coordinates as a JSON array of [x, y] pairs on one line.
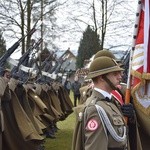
[[66, 21], [18, 16], [111, 19]]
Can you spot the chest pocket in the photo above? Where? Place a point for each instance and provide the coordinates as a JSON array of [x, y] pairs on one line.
[[117, 120]]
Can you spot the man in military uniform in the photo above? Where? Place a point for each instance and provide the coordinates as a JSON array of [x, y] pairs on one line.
[[4, 79], [104, 124], [119, 94], [87, 90]]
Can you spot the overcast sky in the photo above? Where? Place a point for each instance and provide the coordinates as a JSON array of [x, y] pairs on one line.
[[71, 38]]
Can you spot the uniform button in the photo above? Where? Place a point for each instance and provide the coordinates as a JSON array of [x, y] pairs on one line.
[[115, 119], [120, 130], [108, 103], [119, 121]]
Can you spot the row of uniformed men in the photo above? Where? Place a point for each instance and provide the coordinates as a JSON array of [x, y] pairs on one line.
[[29, 112]]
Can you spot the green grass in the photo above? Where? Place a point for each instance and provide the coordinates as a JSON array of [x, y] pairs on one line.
[[63, 140]]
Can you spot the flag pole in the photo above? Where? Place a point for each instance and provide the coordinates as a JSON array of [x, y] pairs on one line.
[[128, 89]]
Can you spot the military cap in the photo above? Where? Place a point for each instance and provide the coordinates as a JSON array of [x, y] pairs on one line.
[[107, 53], [104, 52], [102, 65]]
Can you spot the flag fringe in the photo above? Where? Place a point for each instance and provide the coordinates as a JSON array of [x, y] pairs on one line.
[[139, 106]]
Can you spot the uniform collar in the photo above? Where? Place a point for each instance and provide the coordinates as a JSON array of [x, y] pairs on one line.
[[104, 93]]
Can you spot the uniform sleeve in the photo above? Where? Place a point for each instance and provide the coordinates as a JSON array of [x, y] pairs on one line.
[[3, 85], [95, 137]]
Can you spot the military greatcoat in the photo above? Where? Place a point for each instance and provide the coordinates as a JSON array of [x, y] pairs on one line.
[[3, 85]]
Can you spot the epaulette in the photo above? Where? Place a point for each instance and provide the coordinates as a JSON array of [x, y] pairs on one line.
[[94, 100], [91, 101]]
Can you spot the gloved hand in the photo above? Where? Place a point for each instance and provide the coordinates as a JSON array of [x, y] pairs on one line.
[[127, 110]]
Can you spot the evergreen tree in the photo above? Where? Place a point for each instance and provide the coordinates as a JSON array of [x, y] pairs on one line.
[[89, 45], [3, 48], [2, 44]]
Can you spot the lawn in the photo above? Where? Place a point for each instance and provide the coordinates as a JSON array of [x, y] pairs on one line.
[[63, 140]]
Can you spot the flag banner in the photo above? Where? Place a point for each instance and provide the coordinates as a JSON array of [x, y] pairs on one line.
[[140, 70]]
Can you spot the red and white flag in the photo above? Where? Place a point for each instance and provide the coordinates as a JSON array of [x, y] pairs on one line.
[[141, 59]]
